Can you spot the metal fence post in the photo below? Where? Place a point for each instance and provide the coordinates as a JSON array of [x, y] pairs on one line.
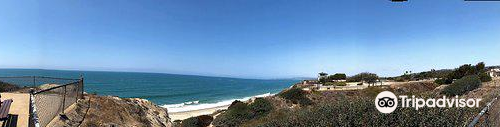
[[81, 86], [64, 100]]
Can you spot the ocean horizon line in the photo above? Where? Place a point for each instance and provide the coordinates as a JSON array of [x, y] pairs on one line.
[[163, 73]]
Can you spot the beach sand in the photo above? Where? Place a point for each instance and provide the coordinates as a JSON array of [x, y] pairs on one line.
[[184, 115]]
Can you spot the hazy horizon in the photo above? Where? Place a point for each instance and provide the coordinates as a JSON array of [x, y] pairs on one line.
[[248, 39], [222, 76]]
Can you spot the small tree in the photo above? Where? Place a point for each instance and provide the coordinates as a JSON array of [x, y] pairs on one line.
[[370, 78], [480, 67], [484, 77], [367, 77], [322, 78], [261, 107], [296, 96], [322, 74], [337, 76]]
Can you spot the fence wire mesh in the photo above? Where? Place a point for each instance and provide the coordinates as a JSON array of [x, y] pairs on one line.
[[51, 95]]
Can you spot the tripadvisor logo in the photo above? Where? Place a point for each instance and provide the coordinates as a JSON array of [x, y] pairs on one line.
[[387, 102]]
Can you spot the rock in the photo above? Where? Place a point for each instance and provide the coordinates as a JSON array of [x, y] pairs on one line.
[[109, 111]]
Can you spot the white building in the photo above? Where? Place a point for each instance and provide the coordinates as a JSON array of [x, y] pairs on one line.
[[495, 72]]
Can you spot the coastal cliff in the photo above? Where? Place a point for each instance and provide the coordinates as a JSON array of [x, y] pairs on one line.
[[109, 111]]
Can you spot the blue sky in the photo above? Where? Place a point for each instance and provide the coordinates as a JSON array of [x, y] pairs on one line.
[[248, 38]]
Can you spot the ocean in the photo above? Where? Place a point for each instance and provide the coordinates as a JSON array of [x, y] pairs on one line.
[[176, 92]]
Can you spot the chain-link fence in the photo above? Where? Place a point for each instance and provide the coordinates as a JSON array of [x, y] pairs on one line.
[[53, 101], [489, 115], [49, 96], [36, 81]]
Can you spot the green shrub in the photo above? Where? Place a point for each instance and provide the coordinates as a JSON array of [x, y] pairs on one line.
[[400, 79], [340, 84], [442, 81], [337, 76], [237, 113], [329, 84], [361, 112], [462, 86], [198, 121], [260, 107], [7, 87], [296, 96], [484, 77], [365, 76]]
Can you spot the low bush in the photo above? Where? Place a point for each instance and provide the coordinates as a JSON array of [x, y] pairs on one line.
[[296, 96], [199, 121], [442, 81], [372, 91], [260, 107], [239, 112], [484, 77], [7, 87], [462, 86], [361, 112], [329, 84], [400, 79], [337, 76], [340, 84]]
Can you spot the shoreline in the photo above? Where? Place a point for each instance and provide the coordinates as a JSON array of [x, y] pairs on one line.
[[212, 107], [186, 114]]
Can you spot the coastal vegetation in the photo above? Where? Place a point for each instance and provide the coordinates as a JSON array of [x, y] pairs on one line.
[[7, 87], [478, 70], [463, 85], [325, 78], [198, 121], [337, 76], [340, 79], [356, 108], [408, 76], [446, 76], [296, 96], [239, 112], [367, 77]]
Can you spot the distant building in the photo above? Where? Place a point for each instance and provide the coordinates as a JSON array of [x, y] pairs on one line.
[[309, 83], [325, 88], [495, 72], [340, 80]]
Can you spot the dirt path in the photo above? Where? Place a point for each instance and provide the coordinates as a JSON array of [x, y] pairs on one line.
[[20, 107]]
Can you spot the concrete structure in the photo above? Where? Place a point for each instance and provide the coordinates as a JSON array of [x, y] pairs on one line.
[[331, 88], [20, 107], [495, 72], [341, 80], [325, 88]]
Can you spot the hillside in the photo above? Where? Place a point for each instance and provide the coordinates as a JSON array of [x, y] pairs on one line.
[[354, 108]]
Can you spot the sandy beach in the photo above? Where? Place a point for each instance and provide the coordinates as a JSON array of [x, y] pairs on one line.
[[184, 115]]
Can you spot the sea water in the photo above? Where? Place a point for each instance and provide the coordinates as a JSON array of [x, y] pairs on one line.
[[176, 92]]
